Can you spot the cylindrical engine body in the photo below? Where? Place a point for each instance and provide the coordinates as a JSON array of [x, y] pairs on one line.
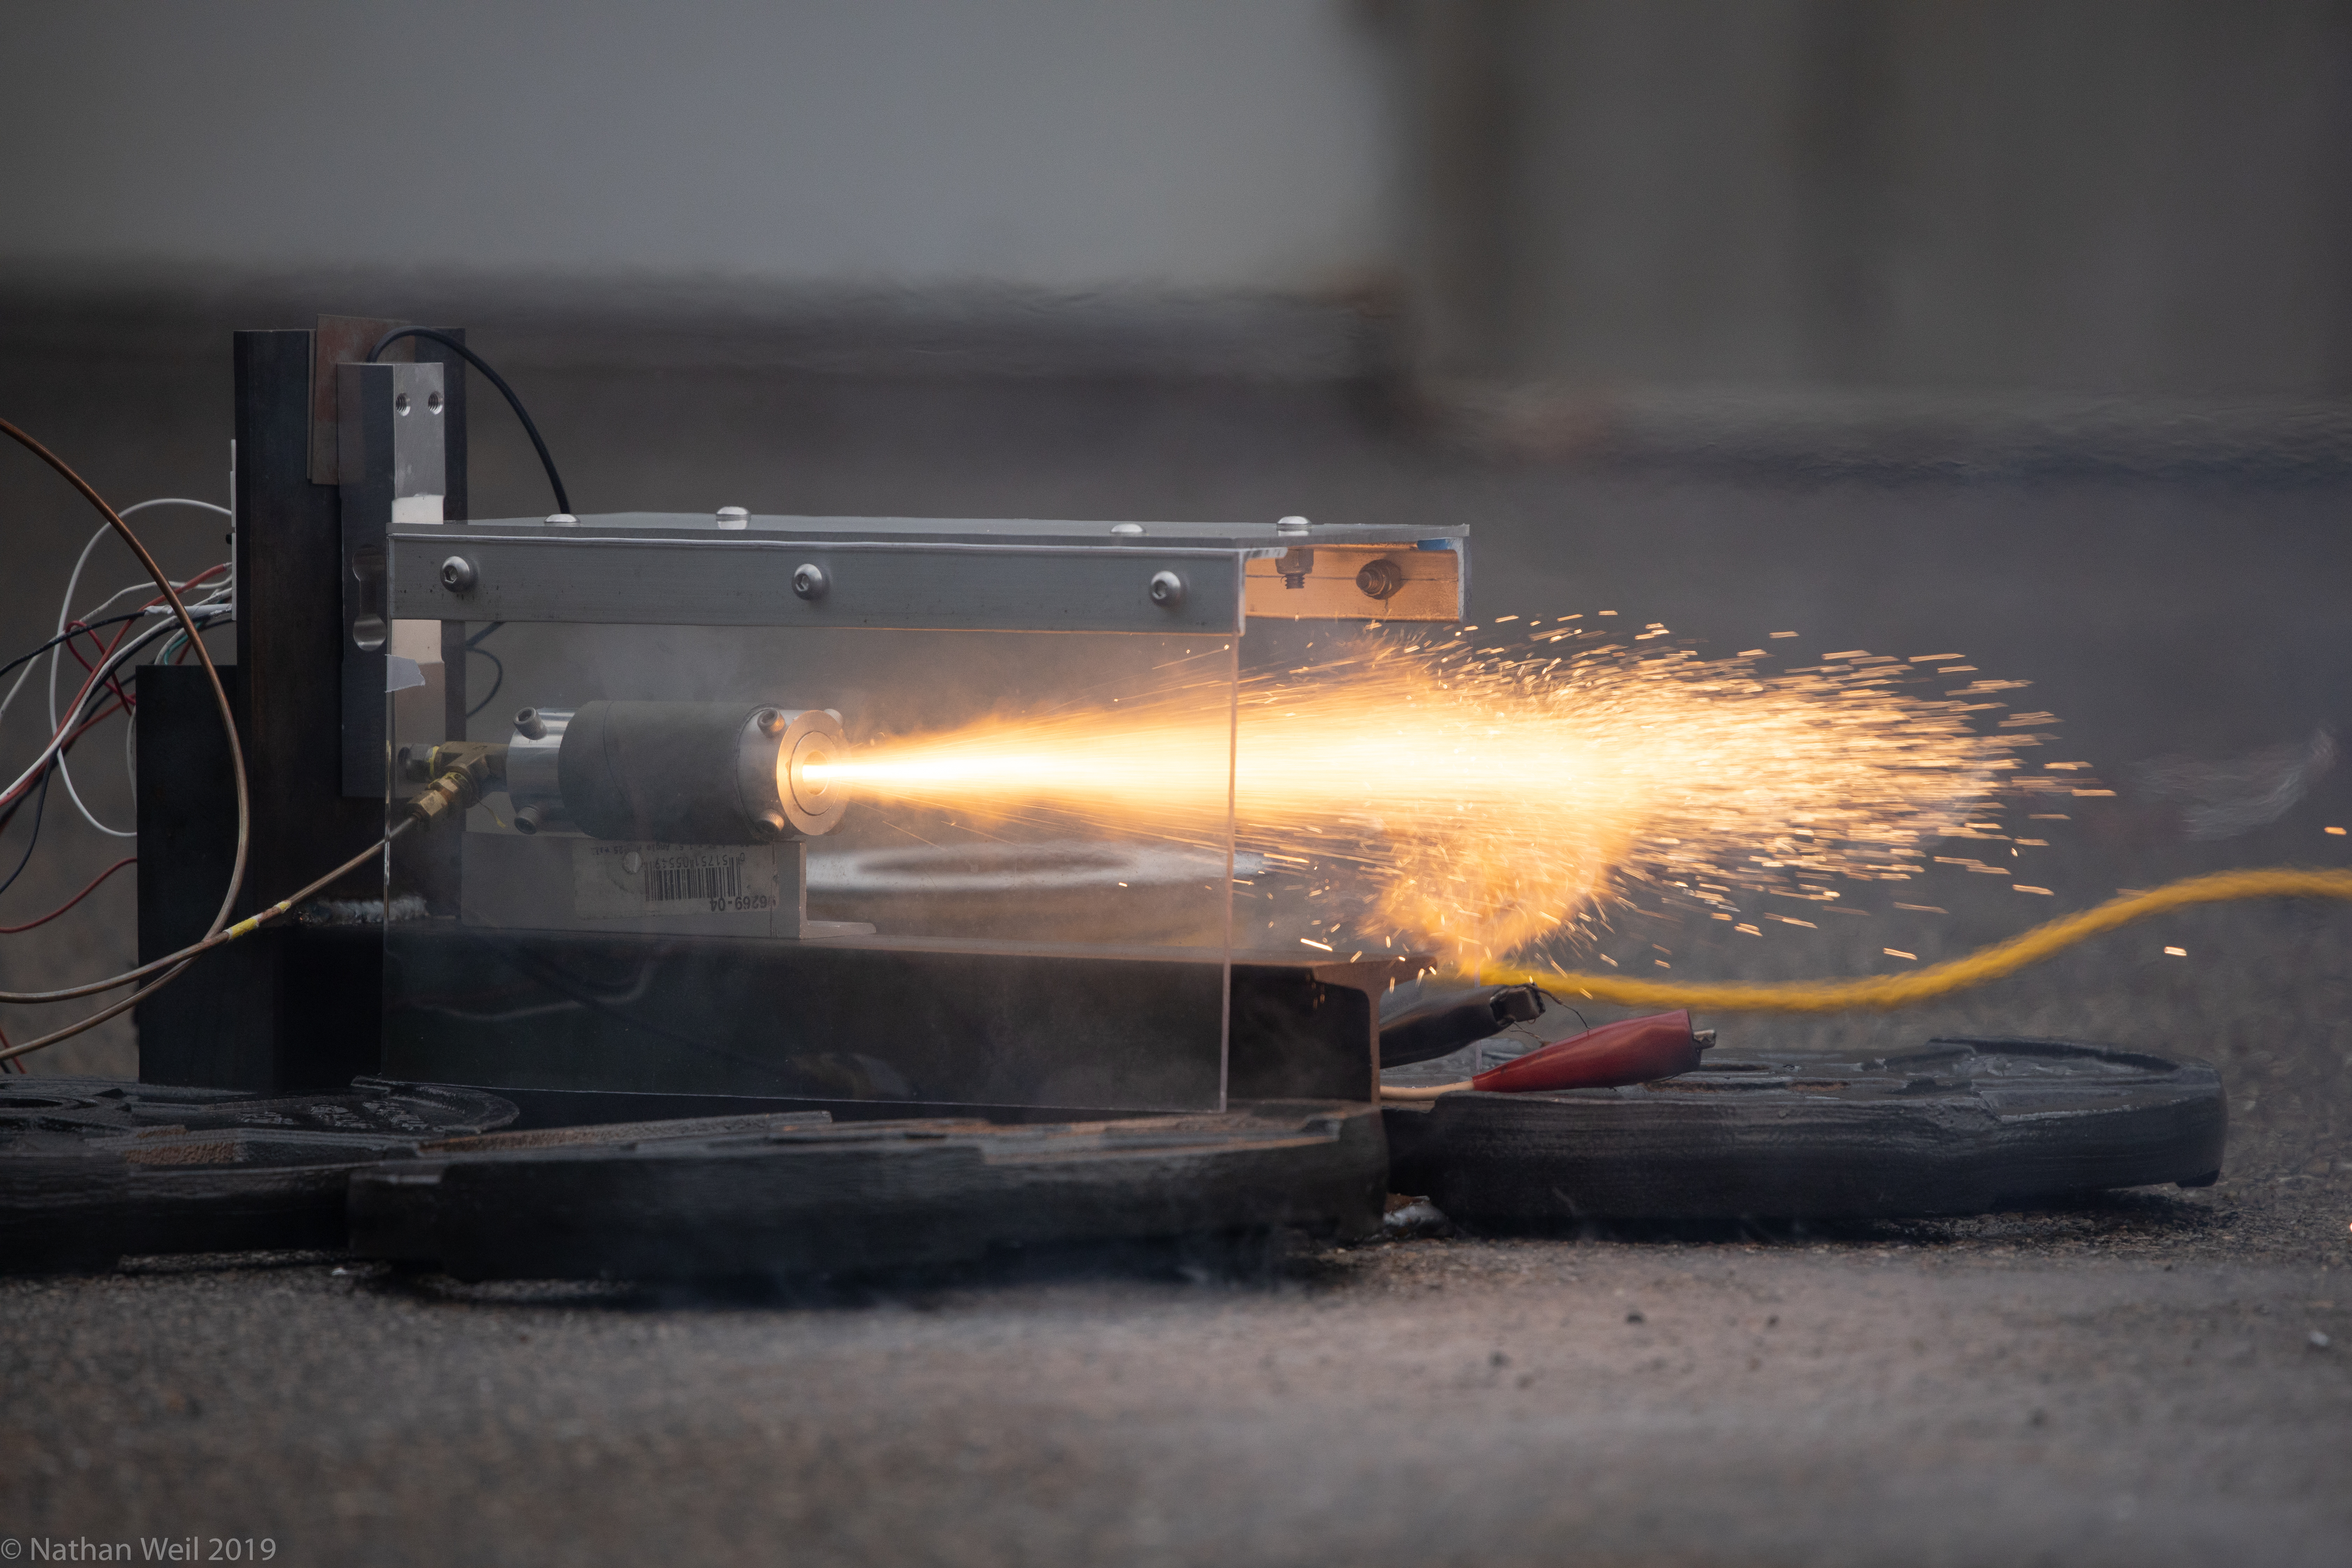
[[695, 772]]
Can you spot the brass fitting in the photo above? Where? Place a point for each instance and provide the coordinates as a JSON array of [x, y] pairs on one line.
[[466, 769]]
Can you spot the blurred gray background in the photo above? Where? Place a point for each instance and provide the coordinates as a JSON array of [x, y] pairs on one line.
[[2019, 330]]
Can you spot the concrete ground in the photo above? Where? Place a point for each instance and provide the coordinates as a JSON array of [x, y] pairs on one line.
[[2165, 1377]]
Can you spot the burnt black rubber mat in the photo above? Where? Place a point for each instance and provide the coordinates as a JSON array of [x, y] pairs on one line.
[[91, 1169], [686, 1201], [1958, 1126]]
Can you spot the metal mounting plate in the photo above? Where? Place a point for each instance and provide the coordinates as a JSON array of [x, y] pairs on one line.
[[902, 573]]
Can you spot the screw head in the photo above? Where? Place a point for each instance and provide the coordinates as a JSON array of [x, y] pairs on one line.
[[734, 517], [400, 402], [1127, 528], [529, 725], [561, 520], [771, 721], [529, 820], [1292, 525], [1167, 590], [809, 580], [457, 574], [1379, 579], [770, 825]]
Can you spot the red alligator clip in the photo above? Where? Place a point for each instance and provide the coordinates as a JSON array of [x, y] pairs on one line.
[[1630, 1050]]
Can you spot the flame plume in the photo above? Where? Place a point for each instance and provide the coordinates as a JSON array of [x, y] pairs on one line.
[[1481, 801]]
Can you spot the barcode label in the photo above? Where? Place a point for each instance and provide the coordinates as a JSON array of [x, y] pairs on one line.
[[670, 881], [701, 884]]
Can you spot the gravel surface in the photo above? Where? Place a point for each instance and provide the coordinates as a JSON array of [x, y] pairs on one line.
[[2140, 1384]]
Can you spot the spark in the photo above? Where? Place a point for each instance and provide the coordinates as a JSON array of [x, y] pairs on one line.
[[1482, 801]]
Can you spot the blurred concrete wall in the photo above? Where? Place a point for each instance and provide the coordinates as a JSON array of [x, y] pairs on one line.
[[1606, 200], [2150, 196], [1048, 145]]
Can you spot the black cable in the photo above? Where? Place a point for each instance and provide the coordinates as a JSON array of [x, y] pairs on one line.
[[98, 696], [474, 645], [556, 481], [1558, 1002], [501, 680], [39, 801], [69, 636]]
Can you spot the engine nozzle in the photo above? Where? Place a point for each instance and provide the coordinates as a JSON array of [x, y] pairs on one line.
[[676, 772]]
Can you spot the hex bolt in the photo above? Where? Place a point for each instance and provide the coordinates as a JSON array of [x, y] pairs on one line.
[[529, 725], [809, 580], [1167, 590], [734, 517], [457, 574]]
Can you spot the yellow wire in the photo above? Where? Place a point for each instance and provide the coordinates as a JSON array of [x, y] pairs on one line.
[[2002, 958]]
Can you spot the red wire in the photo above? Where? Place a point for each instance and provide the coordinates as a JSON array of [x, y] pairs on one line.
[[28, 925], [122, 701], [113, 682], [75, 630], [8, 809]]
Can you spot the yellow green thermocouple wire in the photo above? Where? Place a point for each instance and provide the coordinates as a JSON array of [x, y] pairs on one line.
[[1881, 992]]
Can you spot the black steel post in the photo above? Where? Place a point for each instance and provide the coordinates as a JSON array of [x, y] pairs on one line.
[[294, 1007]]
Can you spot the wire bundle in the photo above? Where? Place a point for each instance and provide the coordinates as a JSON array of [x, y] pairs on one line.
[[90, 704], [102, 695]]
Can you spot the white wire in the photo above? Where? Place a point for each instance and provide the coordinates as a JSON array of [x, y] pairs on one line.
[[57, 740], [220, 599], [65, 610], [56, 655]]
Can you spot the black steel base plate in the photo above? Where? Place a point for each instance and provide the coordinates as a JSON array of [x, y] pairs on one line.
[[717, 1199], [91, 1169], [1960, 1126]]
